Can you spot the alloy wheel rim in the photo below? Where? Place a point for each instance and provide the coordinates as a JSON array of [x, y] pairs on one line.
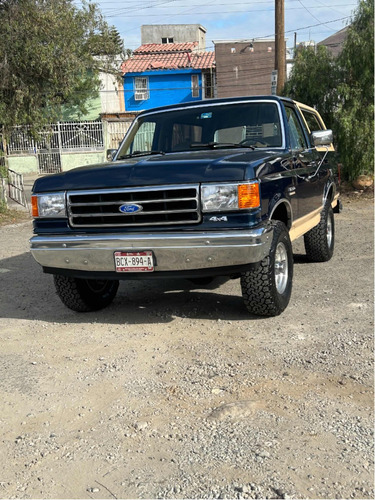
[[329, 232], [281, 268]]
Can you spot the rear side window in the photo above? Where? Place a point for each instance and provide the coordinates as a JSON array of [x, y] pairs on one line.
[[312, 121]]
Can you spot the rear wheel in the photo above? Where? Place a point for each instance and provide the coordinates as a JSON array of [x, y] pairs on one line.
[[320, 240], [266, 289], [85, 295]]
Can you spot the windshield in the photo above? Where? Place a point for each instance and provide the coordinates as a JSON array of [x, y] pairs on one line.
[[253, 124]]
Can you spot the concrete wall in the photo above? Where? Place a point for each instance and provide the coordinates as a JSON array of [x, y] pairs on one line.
[[73, 160], [111, 95], [180, 33], [26, 164], [108, 100], [244, 68], [23, 164], [165, 87], [93, 107]]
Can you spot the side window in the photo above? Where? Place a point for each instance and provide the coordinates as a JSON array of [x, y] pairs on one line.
[[312, 121], [297, 137]]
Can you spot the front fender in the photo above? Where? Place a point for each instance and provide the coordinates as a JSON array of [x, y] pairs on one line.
[[281, 209]]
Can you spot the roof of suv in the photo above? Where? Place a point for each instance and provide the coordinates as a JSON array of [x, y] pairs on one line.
[[208, 102]]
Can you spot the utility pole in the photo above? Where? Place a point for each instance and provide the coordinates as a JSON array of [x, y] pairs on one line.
[[280, 60]]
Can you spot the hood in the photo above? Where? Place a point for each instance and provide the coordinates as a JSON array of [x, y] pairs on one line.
[[171, 168]]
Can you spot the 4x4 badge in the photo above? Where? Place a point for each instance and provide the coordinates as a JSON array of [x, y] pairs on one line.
[[224, 218]]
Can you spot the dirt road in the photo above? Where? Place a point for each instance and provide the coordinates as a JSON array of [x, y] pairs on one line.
[[175, 392]]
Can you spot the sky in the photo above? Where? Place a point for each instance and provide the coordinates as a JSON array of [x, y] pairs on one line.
[[230, 19]]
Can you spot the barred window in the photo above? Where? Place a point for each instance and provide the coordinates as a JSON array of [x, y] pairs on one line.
[[141, 91]]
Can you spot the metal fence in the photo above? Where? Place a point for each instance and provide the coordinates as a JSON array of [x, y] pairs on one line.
[[58, 137], [16, 188], [81, 136], [49, 163], [144, 138]]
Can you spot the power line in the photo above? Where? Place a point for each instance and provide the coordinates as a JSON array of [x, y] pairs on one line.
[[210, 47], [227, 12], [162, 6], [168, 89], [312, 15]]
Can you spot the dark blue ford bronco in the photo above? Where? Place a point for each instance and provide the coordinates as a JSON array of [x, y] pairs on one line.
[[196, 190]]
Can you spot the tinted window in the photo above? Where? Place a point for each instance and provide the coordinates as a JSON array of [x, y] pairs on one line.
[[185, 135], [297, 137], [312, 121], [255, 124]]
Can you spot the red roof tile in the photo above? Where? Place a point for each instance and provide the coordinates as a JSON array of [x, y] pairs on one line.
[[168, 60], [166, 47]]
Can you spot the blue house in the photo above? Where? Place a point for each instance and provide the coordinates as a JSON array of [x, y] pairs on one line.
[[161, 74]]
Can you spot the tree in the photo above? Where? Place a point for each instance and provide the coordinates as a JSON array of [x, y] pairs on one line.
[[355, 114], [51, 52], [342, 89], [313, 81]]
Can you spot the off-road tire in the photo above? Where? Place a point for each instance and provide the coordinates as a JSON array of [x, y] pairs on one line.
[[83, 295], [320, 240], [261, 293]]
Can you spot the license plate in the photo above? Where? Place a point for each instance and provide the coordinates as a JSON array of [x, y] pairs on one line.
[[126, 262]]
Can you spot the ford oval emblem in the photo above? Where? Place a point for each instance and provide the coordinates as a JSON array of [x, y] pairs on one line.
[[130, 208]]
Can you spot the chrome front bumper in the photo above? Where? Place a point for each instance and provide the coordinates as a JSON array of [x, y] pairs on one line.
[[172, 252]]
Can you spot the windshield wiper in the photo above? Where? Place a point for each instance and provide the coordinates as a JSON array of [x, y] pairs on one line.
[[140, 153], [218, 145]]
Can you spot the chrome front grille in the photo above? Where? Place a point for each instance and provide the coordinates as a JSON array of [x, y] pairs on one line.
[[162, 205]]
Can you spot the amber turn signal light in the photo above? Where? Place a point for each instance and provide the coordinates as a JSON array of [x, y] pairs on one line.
[[34, 206], [248, 195]]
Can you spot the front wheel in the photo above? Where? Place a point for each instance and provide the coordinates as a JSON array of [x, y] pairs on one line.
[[267, 288], [83, 295]]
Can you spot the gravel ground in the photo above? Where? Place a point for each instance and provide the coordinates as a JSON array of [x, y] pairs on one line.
[[175, 391]]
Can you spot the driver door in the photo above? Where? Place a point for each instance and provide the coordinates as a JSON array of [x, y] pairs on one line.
[[305, 160]]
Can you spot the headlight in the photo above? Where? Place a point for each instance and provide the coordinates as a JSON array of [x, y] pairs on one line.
[[48, 205], [225, 197]]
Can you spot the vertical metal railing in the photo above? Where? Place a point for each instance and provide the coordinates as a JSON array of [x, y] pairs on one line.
[[61, 136], [16, 190]]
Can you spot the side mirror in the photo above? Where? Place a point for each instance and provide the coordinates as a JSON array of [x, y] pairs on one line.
[[322, 137], [111, 153]]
